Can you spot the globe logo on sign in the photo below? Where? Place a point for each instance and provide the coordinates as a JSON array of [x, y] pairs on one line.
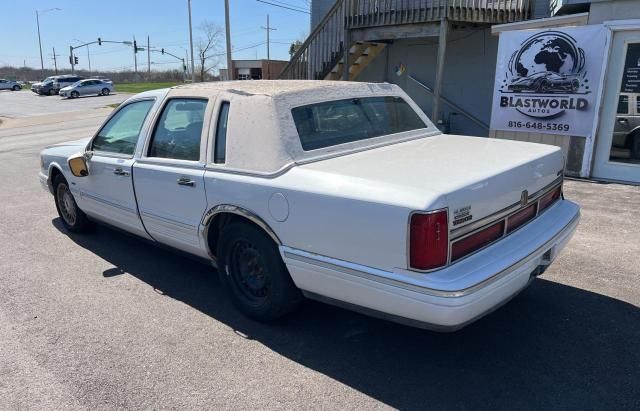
[[547, 63]]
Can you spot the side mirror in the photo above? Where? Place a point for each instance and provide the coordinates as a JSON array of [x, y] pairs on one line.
[[78, 165]]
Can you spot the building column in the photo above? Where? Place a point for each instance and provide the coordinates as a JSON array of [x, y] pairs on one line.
[[345, 57], [437, 89]]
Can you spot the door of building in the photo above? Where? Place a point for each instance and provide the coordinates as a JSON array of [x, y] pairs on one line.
[[617, 155]]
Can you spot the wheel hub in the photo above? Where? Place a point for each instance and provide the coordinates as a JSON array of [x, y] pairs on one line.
[[249, 270]]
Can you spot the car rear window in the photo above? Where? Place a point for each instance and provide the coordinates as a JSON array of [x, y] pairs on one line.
[[344, 121]]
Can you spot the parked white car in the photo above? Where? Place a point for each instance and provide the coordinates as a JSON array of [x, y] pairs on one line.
[[88, 87], [342, 192]]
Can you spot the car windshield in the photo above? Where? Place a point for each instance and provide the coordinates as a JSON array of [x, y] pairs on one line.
[[76, 84], [344, 121]]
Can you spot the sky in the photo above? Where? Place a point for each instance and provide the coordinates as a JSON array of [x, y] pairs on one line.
[[166, 22]]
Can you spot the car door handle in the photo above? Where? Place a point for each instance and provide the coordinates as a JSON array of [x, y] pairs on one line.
[[623, 120], [186, 181], [120, 172]]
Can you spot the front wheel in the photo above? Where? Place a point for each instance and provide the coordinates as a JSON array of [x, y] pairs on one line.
[[52, 92], [72, 217], [254, 274], [75, 94], [105, 91], [15, 88]]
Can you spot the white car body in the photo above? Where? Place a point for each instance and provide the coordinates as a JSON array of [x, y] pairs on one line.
[[340, 215]]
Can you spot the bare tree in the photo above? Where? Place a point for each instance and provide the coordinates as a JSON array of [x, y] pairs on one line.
[[208, 46]]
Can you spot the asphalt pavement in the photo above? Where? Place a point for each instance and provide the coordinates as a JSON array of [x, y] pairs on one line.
[[105, 320], [25, 103]]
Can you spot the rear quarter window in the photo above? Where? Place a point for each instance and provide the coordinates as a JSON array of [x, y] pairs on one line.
[[344, 121]]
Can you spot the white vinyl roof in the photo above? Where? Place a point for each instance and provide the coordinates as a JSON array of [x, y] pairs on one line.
[[261, 134]]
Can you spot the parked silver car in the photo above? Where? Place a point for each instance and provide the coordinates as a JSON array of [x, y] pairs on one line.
[[87, 87], [9, 85]]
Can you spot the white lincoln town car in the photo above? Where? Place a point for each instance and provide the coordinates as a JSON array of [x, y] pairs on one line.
[[337, 191]]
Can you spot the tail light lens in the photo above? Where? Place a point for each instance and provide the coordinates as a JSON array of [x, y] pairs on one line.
[[429, 240], [476, 241], [521, 217], [550, 198]]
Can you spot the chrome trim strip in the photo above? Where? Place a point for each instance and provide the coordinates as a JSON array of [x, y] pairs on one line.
[[369, 273], [233, 209], [168, 221], [457, 233]]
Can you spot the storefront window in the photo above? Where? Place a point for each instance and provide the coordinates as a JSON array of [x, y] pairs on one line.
[[625, 144]]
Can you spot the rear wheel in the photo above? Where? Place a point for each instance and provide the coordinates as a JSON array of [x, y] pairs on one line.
[[105, 91], [72, 217], [253, 273]]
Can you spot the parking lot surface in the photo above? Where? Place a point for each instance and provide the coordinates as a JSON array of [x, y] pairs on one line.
[[108, 321], [20, 104]]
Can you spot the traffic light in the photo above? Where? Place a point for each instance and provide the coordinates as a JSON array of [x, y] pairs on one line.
[[99, 41], [162, 50], [135, 46], [75, 60]]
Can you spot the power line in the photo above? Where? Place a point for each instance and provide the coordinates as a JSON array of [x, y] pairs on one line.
[[284, 7]]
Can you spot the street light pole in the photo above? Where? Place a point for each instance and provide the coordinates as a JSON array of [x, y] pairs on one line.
[[193, 67], [88, 55]]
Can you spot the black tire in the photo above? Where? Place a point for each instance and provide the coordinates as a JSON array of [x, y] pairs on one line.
[[75, 94], [105, 92], [635, 146], [253, 273], [52, 92], [15, 88], [72, 217]]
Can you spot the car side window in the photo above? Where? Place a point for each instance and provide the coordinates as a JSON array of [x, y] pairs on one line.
[[178, 131], [120, 134], [220, 151]]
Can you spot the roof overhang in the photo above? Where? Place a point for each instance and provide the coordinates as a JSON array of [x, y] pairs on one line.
[[578, 19]]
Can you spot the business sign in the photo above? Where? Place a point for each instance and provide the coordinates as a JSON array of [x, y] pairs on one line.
[[547, 81]]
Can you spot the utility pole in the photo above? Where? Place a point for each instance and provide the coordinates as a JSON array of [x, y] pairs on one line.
[[40, 43], [228, 35], [193, 66], [55, 62], [148, 57], [269, 29], [39, 39]]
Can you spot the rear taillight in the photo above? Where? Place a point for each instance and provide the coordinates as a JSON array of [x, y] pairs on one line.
[[476, 241], [550, 198], [521, 217], [428, 240]]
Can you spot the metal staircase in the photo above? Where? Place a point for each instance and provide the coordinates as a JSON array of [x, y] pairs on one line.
[[321, 56]]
